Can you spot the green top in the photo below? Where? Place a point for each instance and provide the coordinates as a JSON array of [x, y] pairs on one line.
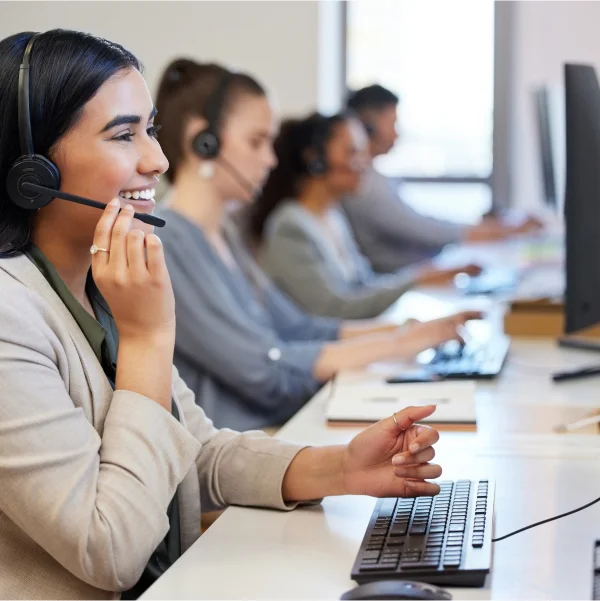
[[102, 334]]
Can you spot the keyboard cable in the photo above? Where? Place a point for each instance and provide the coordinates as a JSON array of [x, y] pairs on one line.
[[558, 517]]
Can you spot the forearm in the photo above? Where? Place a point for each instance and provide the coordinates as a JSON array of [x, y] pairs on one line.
[[365, 327], [487, 231], [355, 353], [314, 473], [402, 344], [145, 367]]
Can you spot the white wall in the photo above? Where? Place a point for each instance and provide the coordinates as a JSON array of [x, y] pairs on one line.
[[545, 35], [276, 41]]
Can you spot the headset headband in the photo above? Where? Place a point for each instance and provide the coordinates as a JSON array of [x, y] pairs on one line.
[[214, 105], [25, 135]]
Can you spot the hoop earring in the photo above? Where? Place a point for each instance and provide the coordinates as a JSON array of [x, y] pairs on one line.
[[207, 170]]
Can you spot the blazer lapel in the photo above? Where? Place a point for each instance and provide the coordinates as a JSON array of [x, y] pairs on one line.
[[24, 271]]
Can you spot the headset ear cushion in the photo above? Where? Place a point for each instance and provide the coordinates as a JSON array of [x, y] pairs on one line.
[[316, 166], [35, 169], [206, 145]]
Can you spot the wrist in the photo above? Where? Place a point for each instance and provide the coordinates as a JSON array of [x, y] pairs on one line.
[[314, 473], [164, 338]]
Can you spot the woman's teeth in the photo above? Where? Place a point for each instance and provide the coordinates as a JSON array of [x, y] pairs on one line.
[[143, 194]]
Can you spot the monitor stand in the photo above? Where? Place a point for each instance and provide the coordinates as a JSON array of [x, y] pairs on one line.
[[584, 344]]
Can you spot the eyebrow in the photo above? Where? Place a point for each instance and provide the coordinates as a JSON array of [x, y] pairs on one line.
[[127, 119]]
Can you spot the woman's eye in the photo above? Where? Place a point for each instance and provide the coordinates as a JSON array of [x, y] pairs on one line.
[[127, 137], [153, 130]]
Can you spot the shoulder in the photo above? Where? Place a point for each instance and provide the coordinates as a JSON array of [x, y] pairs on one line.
[[288, 220], [26, 318], [178, 232]]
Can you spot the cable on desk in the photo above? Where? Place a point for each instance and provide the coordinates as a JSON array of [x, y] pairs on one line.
[[563, 515]]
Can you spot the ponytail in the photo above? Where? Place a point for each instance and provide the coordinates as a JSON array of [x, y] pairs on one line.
[[184, 91], [296, 139]]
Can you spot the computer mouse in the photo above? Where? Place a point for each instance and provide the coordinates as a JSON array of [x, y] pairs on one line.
[[396, 589]]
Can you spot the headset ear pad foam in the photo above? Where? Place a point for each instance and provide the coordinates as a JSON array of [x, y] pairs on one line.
[[35, 169], [316, 166], [206, 145]]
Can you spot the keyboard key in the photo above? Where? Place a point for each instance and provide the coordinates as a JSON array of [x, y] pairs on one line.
[[377, 568], [477, 544], [454, 563], [386, 506], [370, 554]]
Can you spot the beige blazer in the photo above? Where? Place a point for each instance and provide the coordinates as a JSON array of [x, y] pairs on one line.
[[86, 474]]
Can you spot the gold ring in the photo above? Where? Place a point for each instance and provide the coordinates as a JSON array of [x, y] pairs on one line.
[[96, 249], [396, 421]]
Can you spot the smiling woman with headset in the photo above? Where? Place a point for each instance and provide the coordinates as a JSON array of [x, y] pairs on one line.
[[304, 241], [105, 459], [252, 357]]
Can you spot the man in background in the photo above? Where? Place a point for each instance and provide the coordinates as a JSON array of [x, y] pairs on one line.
[[389, 232]]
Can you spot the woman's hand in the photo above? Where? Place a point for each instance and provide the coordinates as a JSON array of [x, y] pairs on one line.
[[391, 459], [139, 293], [137, 289], [388, 459], [430, 334], [441, 277]]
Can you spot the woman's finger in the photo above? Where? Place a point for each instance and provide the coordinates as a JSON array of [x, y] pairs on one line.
[[118, 241], [427, 471], [403, 420], [415, 488], [102, 233], [426, 437], [135, 254], [156, 258], [424, 456]]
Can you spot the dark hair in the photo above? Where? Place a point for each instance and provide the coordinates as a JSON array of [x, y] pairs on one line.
[[296, 139], [185, 88], [67, 68], [374, 98]]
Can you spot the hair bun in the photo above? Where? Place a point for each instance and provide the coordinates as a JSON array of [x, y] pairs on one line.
[[181, 69]]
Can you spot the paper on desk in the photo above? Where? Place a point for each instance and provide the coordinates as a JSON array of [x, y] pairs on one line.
[[370, 401]]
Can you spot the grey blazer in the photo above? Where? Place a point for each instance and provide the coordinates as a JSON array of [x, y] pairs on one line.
[[389, 232], [246, 350], [86, 474], [300, 258]]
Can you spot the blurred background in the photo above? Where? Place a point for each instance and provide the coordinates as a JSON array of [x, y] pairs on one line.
[[469, 74]]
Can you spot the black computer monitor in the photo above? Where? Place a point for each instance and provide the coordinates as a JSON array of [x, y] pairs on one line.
[[582, 197], [546, 146]]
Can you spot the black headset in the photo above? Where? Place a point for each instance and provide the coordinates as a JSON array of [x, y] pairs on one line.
[[317, 164], [33, 181], [29, 167], [207, 143], [370, 129]]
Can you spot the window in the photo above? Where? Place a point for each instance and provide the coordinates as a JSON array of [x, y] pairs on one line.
[[438, 56]]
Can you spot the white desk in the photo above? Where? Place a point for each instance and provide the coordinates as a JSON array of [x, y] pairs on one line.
[[308, 553]]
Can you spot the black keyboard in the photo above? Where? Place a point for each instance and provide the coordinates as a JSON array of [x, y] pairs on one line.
[[596, 576], [475, 360], [443, 540]]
